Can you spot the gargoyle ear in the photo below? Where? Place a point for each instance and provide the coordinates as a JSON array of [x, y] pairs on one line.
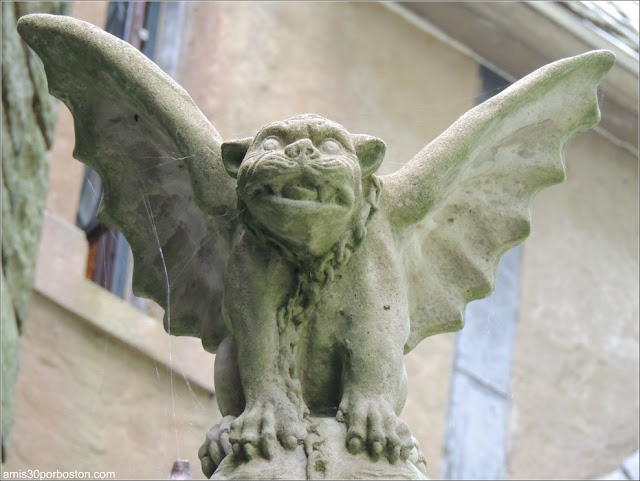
[[370, 152], [233, 152]]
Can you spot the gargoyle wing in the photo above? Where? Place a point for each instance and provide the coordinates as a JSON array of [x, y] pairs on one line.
[[465, 199], [144, 135]]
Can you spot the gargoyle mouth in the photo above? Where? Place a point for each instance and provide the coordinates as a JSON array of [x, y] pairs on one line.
[[295, 190]]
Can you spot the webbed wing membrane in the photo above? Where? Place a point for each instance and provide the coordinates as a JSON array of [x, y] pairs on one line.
[[143, 134], [465, 198]]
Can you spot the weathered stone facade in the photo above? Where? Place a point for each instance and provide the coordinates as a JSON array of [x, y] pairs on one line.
[[29, 115]]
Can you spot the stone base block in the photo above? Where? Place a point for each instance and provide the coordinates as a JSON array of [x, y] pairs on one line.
[[324, 456]]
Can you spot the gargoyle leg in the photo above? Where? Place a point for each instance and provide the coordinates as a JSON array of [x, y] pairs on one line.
[[228, 386], [259, 282], [372, 397], [373, 334]]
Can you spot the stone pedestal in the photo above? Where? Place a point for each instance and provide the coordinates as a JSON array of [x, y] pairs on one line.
[[324, 456]]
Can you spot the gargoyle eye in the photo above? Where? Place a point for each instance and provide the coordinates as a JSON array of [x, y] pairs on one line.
[[330, 146], [271, 143]]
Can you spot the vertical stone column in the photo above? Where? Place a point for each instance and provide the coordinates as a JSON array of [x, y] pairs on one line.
[[28, 119]]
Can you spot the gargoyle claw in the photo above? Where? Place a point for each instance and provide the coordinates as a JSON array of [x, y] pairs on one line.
[[354, 445], [374, 426], [394, 454], [376, 449], [257, 431], [215, 447], [252, 452]]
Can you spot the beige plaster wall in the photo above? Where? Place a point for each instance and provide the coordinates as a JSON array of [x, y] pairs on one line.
[[575, 373], [89, 402], [249, 63]]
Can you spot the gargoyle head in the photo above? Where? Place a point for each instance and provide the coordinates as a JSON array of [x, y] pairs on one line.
[[303, 179]]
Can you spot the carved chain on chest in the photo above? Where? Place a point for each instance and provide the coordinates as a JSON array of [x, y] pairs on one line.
[[312, 276]]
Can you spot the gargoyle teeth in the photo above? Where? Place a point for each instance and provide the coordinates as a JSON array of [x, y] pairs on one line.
[[345, 197], [254, 191], [294, 190], [276, 189], [324, 193], [299, 193]]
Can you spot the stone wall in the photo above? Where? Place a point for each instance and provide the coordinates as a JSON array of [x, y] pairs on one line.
[[28, 124]]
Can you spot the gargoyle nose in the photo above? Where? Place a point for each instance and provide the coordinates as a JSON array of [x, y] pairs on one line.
[[301, 149]]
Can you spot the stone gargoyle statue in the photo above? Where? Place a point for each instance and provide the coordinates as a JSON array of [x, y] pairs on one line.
[[306, 273]]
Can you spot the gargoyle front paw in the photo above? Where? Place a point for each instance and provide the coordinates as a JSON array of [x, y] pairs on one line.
[[257, 430], [216, 446], [373, 425]]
